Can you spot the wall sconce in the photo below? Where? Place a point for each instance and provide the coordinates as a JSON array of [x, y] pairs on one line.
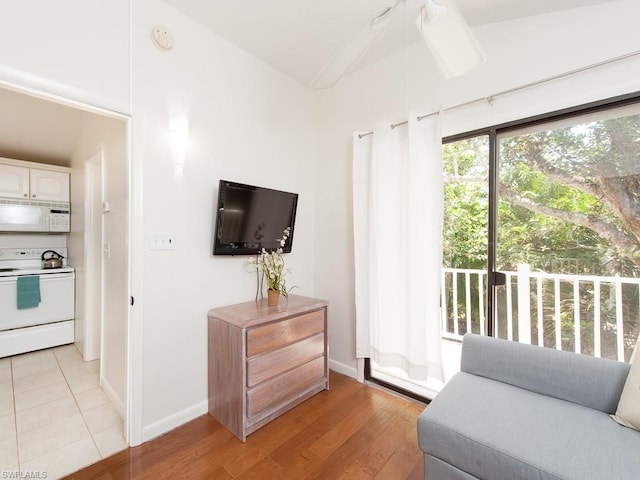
[[179, 138]]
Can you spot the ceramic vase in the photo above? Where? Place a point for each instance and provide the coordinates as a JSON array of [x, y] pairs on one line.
[[272, 298]]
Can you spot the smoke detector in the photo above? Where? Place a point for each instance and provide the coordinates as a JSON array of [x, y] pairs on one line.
[[162, 37]]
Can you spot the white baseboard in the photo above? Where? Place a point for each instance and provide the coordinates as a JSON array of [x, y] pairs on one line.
[[173, 421], [180, 418], [343, 369], [111, 394]]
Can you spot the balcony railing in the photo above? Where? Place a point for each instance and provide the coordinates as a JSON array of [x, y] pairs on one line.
[[592, 315]]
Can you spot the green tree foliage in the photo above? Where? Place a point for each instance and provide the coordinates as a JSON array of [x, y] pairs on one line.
[[577, 184], [465, 166], [566, 193]]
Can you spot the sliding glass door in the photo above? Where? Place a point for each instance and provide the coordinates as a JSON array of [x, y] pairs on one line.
[[542, 234], [568, 233]]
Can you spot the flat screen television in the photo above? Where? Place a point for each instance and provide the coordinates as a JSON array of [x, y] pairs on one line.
[[250, 218]]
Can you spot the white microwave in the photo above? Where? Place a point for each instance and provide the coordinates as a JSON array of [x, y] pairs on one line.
[[31, 216]]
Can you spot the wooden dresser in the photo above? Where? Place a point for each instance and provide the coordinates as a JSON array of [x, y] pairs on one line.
[[265, 360]]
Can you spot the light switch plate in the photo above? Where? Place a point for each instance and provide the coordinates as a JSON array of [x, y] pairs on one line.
[[163, 241]]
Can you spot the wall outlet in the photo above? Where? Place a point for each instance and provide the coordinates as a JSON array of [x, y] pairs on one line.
[[163, 241]]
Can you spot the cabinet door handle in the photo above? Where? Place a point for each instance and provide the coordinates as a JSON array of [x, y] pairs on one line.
[[25, 195]]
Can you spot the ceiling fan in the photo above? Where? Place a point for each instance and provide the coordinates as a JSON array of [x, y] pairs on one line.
[[443, 29]]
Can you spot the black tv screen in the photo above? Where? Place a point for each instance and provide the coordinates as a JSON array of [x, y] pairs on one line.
[[250, 218]]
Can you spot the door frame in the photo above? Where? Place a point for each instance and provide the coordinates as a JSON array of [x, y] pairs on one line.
[[135, 241]]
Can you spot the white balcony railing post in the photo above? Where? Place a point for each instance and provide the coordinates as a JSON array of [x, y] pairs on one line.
[[576, 316], [597, 326], [540, 309], [557, 312], [524, 303], [443, 301], [619, 319], [481, 302]]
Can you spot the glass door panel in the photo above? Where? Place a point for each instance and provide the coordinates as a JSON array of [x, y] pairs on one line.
[[465, 236], [568, 234]]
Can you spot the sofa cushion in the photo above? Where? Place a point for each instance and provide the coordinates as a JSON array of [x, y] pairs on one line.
[[495, 431], [628, 412], [589, 381]]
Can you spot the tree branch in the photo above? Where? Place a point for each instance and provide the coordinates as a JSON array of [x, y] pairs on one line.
[[585, 185], [608, 231]]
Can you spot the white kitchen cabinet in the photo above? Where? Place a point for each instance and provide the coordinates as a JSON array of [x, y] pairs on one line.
[[49, 185], [14, 181], [24, 182]]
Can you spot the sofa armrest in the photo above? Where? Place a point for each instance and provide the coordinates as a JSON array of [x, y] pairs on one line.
[[593, 382]]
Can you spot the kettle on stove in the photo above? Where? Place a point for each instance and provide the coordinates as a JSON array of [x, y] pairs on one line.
[[54, 260]]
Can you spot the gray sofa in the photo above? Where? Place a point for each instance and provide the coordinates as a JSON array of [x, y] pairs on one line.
[[518, 411]]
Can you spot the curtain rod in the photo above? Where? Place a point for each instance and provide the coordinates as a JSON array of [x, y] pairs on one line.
[[491, 98]]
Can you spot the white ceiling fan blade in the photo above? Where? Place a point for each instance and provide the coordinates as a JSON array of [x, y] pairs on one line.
[[449, 38], [342, 62]]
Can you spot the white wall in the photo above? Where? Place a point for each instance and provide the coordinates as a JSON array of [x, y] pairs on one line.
[[248, 123], [75, 48], [518, 52]]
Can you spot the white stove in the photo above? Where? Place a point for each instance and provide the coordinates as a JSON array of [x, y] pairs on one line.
[[28, 261], [37, 305]]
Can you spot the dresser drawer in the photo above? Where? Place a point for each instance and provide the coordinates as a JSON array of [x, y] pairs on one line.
[[277, 334], [284, 387], [263, 367]]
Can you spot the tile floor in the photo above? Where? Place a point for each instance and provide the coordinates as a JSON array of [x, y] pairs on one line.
[[54, 417]]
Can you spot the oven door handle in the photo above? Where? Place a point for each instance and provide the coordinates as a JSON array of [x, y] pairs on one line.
[[43, 277], [53, 276]]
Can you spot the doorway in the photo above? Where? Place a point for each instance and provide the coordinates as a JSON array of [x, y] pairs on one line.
[[95, 144]]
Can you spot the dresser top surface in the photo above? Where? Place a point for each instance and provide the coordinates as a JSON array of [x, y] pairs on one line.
[[253, 313]]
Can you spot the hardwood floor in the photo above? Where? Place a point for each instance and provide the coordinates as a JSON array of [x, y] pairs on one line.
[[353, 431]]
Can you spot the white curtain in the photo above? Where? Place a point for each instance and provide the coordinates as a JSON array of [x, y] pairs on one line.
[[398, 216]]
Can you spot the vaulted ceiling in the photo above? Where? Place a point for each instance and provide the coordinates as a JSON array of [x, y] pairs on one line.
[[299, 37]]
